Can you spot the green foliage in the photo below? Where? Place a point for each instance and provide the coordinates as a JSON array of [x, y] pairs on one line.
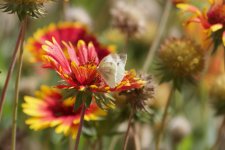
[[186, 144], [80, 98], [104, 100]]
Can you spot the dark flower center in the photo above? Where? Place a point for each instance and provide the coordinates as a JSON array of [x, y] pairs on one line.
[[61, 110], [58, 108], [216, 14]]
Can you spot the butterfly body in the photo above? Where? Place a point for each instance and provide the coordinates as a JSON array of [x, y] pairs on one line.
[[112, 68]]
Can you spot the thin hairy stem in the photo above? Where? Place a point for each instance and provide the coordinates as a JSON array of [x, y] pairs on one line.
[[125, 49], [11, 67], [80, 127], [113, 143], [165, 113], [220, 132], [64, 4], [156, 42], [71, 144], [17, 84], [224, 58], [136, 138], [128, 129]]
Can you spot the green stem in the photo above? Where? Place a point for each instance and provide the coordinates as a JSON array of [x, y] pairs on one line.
[[11, 67], [15, 106], [156, 42], [113, 143], [128, 129], [224, 58], [137, 140], [220, 132], [80, 127], [64, 4], [71, 143], [125, 49], [165, 113]]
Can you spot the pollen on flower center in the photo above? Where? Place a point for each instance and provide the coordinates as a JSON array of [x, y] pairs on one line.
[[217, 14]]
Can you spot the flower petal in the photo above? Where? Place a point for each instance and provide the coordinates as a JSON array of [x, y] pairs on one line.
[[216, 27], [223, 38]]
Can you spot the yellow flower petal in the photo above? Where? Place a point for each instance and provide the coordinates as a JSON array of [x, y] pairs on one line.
[[216, 27]]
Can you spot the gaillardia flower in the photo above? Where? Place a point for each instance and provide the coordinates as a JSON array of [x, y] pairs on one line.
[[48, 109], [63, 31], [33, 8], [213, 20], [128, 18], [78, 68], [180, 60]]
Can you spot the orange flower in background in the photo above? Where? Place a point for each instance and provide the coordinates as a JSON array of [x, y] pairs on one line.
[[78, 68], [175, 2], [212, 20], [48, 109], [67, 32], [215, 68], [201, 38]]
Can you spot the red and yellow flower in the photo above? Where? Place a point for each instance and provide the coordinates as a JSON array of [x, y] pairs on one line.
[[48, 109], [212, 20], [65, 31], [78, 67]]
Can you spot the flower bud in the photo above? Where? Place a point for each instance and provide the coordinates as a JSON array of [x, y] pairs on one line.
[[180, 59]]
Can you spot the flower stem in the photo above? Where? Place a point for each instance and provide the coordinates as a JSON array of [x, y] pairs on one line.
[[165, 113], [162, 27], [113, 143], [64, 4], [128, 129], [125, 49], [220, 132], [136, 139], [80, 127], [11, 67], [71, 143], [15, 106], [224, 58]]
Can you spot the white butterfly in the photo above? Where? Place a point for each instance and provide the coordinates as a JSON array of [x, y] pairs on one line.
[[112, 68]]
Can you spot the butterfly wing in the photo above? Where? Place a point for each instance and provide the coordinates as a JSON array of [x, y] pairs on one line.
[[112, 69], [107, 69], [120, 69]]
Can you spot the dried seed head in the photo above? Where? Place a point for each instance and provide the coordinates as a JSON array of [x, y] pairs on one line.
[[140, 98], [27, 1], [127, 18], [33, 8], [179, 128], [78, 14]]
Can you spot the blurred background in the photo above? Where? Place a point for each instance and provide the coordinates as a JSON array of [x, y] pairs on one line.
[[192, 123]]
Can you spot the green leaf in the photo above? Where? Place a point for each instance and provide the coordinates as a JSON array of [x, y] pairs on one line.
[[186, 144], [88, 99], [68, 93], [79, 101], [89, 131], [98, 101], [110, 97]]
